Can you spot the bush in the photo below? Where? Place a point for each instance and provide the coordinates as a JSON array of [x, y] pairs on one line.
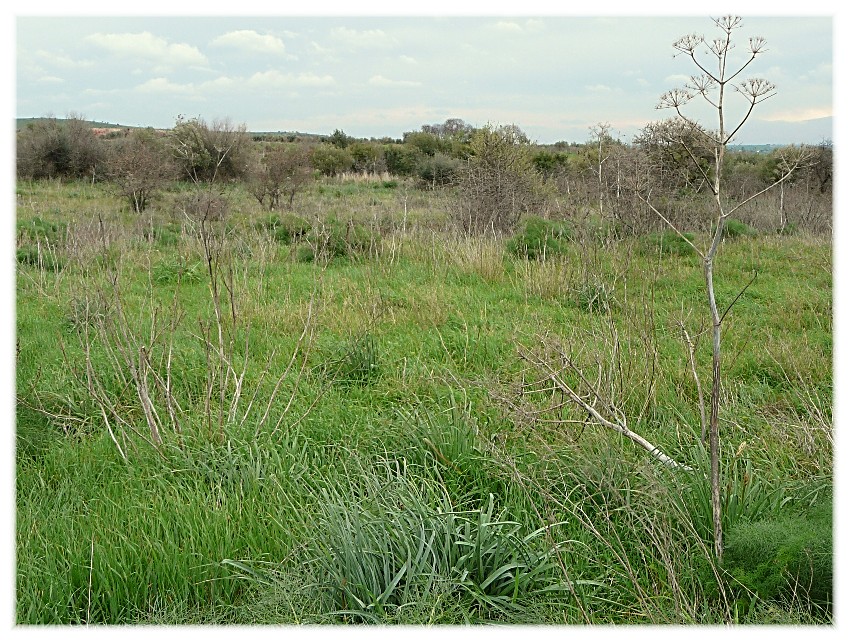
[[286, 229], [668, 242], [786, 558], [51, 148], [539, 238], [737, 229]]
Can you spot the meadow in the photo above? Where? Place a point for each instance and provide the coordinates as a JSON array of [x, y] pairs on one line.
[[349, 414]]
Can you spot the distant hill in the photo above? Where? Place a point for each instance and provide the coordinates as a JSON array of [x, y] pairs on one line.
[[23, 122]]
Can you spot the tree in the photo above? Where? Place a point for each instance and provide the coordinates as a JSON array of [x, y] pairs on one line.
[[210, 153], [331, 160], [717, 78], [51, 148], [282, 170], [498, 183], [139, 166]]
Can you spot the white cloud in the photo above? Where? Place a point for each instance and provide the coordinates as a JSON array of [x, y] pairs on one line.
[[408, 60], [148, 47], [163, 85], [382, 81], [249, 40], [275, 79], [512, 27], [368, 39], [50, 80], [599, 88], [62, 61], [677, 80]]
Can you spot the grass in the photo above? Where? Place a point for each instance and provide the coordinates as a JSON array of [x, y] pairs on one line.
[[348, 440]]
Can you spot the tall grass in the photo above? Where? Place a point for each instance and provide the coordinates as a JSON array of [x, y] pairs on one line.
[[357, 439]]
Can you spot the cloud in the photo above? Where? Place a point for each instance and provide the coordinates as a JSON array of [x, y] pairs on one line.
[[382, 81], [50, 80], [276, 79], [599, 88], [799, 115], [163, 85], [148, 47], [62, 61], [251, 41], [368, 39], [511, 27]]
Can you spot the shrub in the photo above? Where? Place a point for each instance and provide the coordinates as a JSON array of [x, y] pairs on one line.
[[498, 184], [668, 242], [286, 229], [734, 228], [50, 148], [539, 238]]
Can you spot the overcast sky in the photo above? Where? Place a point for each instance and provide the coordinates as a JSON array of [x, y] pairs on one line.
[[372, 76]]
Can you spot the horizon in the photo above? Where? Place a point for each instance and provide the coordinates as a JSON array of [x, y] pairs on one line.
[[374, 77]]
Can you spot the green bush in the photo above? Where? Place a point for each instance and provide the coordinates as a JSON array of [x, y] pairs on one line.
[[286, 229], [734, 228], [40, 229], [668, 242], [539, 238], [786, 558]]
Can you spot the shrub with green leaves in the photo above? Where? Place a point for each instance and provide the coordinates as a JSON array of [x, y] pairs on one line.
[[540, 238]]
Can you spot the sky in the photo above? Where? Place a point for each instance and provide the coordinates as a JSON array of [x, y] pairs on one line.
[[555, 76]]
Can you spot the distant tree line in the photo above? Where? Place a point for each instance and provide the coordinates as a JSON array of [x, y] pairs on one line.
[[497, 174]]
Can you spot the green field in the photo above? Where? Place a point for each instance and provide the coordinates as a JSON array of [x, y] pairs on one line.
[[351, 416]]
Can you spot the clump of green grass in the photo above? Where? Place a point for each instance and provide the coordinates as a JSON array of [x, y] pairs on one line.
[[399, 540], [286, 229], [337, 239], [540, 238], [178, 269], [734, 228], [353, 363], [787, 558], [167, 235], [38, 243], [668, 242]]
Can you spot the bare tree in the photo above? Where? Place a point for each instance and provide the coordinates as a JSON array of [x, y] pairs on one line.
[[139, 167], [715, 82], [281, 171]]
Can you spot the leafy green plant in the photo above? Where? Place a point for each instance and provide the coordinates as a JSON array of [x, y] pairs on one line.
[[177, 269], [355, 362], [788, 557], [401, 540], [286, 229], [540, 238], [734, 228], [668, 242]]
